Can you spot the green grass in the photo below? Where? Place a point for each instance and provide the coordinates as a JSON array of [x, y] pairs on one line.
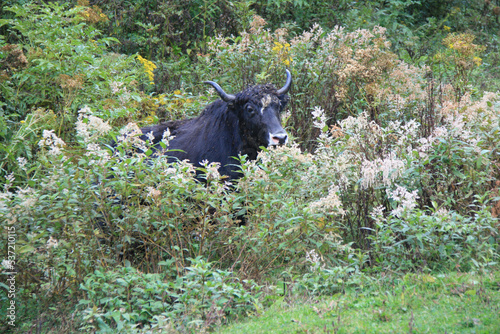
[[438, 303]]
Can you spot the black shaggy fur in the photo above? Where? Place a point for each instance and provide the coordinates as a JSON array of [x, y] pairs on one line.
[[226, 129]]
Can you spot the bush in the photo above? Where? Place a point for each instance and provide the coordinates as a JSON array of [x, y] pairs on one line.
[[341, 72], [198, 299], [444, 240], [390, 169], [46, 80]]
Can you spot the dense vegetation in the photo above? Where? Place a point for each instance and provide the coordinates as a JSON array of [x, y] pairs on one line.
[[391, 179]]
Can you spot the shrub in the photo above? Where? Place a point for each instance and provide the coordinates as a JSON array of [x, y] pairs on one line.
[[409, 238], [46, 80], [390, 169], [197, 299], [342, 72]]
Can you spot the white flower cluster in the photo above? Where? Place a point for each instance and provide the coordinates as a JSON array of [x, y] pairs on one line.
[[405, 134], [153, 192], [21, 161], [167, 137], [425, 144], [315, 259], [9, 181], [150, 136], [54, 143], [361, 131], [377, 213], [319, 121], [27, 197], [212, 169], [119, 88], [331, 204], [182, 172], [90, 127], [407, 200], [94, 150], [129, 136], [115, 87], [390, 168], [52, 243]]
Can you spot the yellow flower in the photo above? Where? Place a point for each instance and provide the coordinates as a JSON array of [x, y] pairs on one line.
[[149, 67], [282, 52], [477, 61], [277, 48], [23, 121], [149, 120], [446, 28]]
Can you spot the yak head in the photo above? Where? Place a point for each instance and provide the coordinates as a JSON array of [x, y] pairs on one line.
[[258, 111]]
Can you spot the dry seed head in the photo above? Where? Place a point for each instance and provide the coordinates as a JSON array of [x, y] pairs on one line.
[[15, 57], [257, 24], [71, 82]]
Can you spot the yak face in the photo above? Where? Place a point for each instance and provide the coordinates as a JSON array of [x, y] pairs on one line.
[[258, 110]]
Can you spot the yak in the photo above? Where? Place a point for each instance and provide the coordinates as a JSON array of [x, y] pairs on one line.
[[234, 125]]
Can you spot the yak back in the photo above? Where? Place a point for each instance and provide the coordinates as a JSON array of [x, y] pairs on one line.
[[159, 129], [213, 136]]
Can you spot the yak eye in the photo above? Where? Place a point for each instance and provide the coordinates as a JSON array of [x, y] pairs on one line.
[[250, 109]]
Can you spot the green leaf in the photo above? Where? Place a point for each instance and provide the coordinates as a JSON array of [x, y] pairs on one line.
[[5, 21], [26, 249], [470, 292]]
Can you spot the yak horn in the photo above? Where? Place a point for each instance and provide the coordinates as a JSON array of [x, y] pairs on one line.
[[223, 95], [287, 85]]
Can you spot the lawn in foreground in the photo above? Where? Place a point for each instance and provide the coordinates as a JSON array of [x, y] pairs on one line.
[[415, 303]]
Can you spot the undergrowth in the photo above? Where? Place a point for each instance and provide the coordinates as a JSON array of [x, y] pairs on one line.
[[393, 168]]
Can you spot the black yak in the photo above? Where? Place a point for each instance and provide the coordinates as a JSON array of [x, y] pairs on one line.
[[234, 125]]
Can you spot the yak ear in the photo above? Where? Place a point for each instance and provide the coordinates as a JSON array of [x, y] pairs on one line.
[[284, 101]]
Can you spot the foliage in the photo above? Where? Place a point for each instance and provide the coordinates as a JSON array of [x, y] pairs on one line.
[[45, 79], [388, 169], [342, 72], [460, 58], [201, 297], [438, 241], [49, 73], [393, 164], [163, 29], [44, 82]]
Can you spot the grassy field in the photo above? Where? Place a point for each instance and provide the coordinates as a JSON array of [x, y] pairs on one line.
[[437, 303]]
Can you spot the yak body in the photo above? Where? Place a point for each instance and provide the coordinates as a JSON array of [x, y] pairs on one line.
[[234, 125]]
